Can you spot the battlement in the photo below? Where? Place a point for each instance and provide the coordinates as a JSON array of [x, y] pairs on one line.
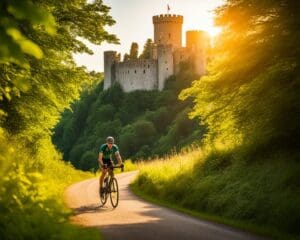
[[167, 18], [110, 53], [166, 55]]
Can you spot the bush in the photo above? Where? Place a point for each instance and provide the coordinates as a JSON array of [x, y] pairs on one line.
[[89, 161]]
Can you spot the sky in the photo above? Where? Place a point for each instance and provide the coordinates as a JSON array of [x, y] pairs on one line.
[[134, 24]]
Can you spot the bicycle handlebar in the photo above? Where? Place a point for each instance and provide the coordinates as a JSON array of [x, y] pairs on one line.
[[113, 167]]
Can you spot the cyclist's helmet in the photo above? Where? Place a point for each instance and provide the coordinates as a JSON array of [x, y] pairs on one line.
[[110, 139]]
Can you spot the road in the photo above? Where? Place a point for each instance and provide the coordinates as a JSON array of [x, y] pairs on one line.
[[136, 219]]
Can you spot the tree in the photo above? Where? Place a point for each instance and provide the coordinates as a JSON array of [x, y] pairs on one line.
[[126, 57], [134, 51], [47, 85], [251, 93], [147, 51], [39, 79], [27, 33], [15, 44]]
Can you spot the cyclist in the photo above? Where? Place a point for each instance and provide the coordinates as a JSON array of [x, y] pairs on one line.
[[105, 158]]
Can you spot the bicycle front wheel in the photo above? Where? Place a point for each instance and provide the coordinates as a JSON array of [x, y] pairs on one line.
[[114, 192], [104, 195]]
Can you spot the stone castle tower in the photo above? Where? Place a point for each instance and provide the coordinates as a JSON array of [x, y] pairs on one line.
[[167, 53]]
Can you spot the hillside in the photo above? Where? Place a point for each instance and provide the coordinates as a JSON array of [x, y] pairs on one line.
[[144, 123]]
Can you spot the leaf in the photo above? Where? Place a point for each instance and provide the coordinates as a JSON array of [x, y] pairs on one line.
[[35, 14], [26, 45]]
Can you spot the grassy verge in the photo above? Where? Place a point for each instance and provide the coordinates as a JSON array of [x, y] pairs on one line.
[[259, 197], [31, 196]]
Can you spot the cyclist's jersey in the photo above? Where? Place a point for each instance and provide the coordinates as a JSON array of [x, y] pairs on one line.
[[107, 153]]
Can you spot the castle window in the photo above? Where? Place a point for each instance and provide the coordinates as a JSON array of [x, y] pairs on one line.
[[148, 66], [166, 62], [128, 71], [134, 71], [144, 71], [169, 35], [167, 69]]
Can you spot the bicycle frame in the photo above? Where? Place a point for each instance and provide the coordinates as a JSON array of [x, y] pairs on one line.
[[111, 187]]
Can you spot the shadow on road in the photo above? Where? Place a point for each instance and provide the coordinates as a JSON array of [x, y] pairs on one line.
[[91, 208]]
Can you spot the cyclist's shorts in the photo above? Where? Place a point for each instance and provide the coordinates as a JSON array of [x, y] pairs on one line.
[[108, 162]]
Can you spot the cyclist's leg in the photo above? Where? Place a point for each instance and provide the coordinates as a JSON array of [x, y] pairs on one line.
[[103, 174], [101, 179]]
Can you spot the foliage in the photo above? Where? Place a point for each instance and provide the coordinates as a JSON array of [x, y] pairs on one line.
[[144, 123], [14, 42], [262, 194], [249, 101], [31, 200], [134, 51], [147, 51], [251, 94], [38, 80], [126, 57]]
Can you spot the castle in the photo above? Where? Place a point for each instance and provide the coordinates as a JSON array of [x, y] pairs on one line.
[[167, 53]]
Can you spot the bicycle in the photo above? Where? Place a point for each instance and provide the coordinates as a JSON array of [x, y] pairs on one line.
[[110, 187]]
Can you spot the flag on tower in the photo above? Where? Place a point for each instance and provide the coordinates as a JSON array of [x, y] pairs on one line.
[[168, 8]]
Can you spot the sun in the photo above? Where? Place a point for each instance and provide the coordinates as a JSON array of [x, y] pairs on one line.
[[208, 25], [213, 31], [203, 19]]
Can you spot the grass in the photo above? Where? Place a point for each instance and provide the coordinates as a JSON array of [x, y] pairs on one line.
[[31, 196], [260, 196]]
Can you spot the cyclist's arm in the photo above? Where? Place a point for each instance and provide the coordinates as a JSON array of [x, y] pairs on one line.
[[100, 159], [118, 156]]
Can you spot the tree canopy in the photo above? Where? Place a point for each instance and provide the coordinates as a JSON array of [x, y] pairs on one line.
[[134, 51], [251, 93], [39, 79], [147, 51]]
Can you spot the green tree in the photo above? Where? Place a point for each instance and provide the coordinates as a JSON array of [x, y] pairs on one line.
[[15, 43], [39, 79], [251, 93], [134, 51], [126, 57], [147, 51], [89, 161]]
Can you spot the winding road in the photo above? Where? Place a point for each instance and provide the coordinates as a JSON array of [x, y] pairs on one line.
[[136, 219]]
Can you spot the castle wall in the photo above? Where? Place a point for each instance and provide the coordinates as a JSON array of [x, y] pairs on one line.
[[165, 64], [137, 74], [197, 40], [109, 59], [166, 55], [168, 29], [181, 55]]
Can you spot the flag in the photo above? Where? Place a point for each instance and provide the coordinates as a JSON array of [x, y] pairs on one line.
[[168, 8]]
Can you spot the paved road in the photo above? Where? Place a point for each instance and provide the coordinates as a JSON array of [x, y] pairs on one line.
[[135, 219]]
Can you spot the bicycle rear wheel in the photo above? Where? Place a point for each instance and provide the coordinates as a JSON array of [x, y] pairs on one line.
[[114, 192]]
